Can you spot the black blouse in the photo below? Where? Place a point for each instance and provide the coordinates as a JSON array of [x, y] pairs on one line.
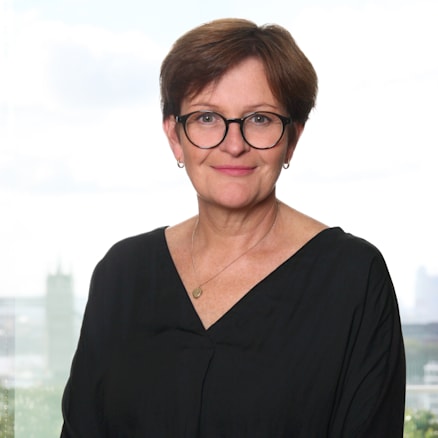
[[313, 350]]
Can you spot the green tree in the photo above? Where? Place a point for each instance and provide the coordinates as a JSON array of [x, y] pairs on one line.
[[420, 424], [38, 412], [6, 412]]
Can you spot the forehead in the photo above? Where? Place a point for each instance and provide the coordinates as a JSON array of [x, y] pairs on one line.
[[242, 86]]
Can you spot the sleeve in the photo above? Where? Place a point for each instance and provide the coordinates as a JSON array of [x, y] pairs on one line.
[[372, 396], [81, 406]]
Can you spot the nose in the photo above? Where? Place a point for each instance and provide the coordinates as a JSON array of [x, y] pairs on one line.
[[234, 143]]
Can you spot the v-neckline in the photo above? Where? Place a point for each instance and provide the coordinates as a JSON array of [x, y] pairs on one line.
[[251, 291]]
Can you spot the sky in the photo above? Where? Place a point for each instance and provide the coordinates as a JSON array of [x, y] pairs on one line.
[[84, 162]]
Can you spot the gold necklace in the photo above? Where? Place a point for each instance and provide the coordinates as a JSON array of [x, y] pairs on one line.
[[197, 292]]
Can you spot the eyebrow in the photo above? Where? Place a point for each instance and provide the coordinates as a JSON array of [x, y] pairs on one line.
[[208, 106]]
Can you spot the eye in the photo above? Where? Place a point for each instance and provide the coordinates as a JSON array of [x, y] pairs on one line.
[[207, 118], [259, 119]]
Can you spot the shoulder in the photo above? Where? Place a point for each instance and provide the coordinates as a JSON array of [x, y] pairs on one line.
[[357, 268], [124, 269], [135, 248], [328, 242], [349, 243], [345, 264], [348, 252], [355, 250]]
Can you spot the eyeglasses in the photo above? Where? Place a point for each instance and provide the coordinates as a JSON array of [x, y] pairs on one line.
[[208, 129]]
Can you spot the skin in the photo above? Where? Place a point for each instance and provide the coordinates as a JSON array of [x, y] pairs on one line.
[[235, 185]]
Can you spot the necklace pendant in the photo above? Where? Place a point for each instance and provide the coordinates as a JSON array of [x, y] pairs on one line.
[[197, 292]]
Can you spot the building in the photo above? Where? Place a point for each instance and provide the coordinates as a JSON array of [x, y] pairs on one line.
[[426, 297], [431, 380], [59, 321], [38, 334]]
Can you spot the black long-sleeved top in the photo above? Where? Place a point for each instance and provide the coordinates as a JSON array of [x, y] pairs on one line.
[[314, 350]]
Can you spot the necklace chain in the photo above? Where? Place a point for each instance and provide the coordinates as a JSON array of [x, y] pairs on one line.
[[198, 291]]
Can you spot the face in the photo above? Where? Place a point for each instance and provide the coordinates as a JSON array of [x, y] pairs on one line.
[[233, 174]]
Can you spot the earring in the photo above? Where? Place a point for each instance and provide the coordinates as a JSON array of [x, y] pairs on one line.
[[180, 164], [286, 165]]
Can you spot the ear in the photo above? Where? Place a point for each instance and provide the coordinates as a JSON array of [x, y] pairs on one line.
[[170, 129], [299, 128]]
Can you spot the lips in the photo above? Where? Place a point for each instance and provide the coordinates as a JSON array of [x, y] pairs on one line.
[[234, 170]]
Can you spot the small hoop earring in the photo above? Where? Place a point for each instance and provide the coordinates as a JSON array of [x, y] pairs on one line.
[[180, 164], [286, 165]]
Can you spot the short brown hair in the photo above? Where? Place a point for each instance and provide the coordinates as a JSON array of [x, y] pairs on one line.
[[202, 56]]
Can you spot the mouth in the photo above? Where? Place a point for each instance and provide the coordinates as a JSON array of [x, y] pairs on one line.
[[234, 170]]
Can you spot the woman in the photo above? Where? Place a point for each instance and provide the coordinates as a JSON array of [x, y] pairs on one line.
[[250, 319]]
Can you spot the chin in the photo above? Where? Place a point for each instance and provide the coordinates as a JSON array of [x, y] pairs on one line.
[[234, 196]]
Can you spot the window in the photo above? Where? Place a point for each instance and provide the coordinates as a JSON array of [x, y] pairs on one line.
[[84, 163]]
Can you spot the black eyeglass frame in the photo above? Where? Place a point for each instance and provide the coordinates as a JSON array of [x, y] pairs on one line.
[[183, 119]]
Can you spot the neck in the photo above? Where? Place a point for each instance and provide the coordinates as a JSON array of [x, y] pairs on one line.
[[236, 228]]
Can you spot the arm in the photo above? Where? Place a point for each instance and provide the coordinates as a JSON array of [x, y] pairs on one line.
[[371, 398], [80, 404]]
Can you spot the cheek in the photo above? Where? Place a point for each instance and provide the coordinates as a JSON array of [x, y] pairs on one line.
[[193, 157], [282, 153], [272, 167]]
